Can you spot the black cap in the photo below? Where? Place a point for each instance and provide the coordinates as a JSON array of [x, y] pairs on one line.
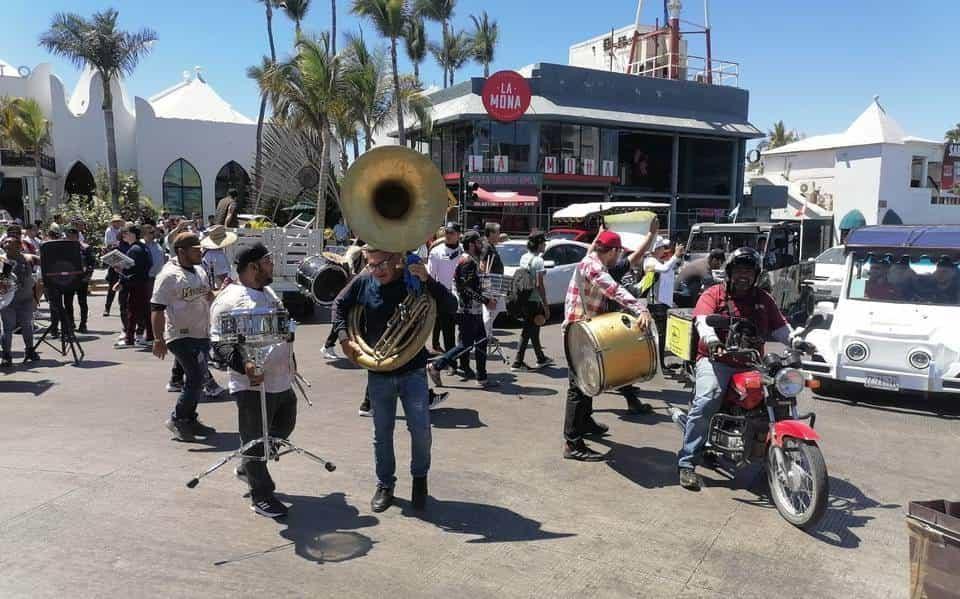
[[452, 227], [251, 254], [469, 237]]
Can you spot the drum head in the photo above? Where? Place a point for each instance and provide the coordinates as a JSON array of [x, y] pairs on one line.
[[584, 359], [321, 278]]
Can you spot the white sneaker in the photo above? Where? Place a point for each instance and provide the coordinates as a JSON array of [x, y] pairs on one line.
[[122, 344], [330, 353], [438, 398]]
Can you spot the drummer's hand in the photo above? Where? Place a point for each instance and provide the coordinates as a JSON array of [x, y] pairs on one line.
[[419, 270], [254, 378], [160, 348], [350, 350], [655, 225], [492, 303], [643, 320]]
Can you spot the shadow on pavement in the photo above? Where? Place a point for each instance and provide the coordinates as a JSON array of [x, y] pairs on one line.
[[35, 388], [456, 418], [650, 419], [649, 467], [946, 408], [217, 442], [91, 364], [493, 524]]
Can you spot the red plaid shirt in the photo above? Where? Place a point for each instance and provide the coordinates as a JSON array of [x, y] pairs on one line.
[[597, 285]]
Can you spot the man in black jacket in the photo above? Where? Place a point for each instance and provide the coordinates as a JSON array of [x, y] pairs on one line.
[[379, 291], [136, 281]]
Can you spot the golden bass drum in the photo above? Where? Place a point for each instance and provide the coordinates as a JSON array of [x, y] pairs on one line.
[[608, 352]]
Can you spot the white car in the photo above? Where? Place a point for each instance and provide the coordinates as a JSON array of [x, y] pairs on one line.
[[829, 268], [896, 325], [560, 258]]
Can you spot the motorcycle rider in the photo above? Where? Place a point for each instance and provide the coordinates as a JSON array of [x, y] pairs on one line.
[[738, 297]]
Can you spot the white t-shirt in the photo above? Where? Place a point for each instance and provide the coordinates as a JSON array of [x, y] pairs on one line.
[[277, 375], [184, 292], [215, 262], [534, 264], [111, 237], [442, 263], [668, 273]]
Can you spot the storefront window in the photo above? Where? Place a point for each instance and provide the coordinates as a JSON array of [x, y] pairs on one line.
[[436, 147], [447, 165], [589, 150], [482, 132], [647, 160], [550, 141], [520, 152], [706, 166], [501, 140], [570, 140], [609, 146]]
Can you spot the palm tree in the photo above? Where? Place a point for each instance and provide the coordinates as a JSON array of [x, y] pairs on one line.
[[415, 39], [303, 92], [258, 160], [454, 51], [296, 11], [333, 26], [96, 43], [953, 135], [29, 130], [439, 11], [389, 18], [368, 88], [485, 34], [779, 136]]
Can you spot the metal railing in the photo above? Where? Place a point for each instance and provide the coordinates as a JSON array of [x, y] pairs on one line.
[[690, 68], [18, 158]]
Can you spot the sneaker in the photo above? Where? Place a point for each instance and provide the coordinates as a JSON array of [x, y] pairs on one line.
[[365, 408], [30, 356], [382, 499], [200, 429], [595, 428], [241, 475], [212, 390], [53, 334], [519, 367], [419, 497], [82, 328], [122, 344], [6, 361], [635, 406], [142, 342], [580, 452], [181, 429], [106, 313], [467, 373], [437, 398], [330, 353], [434, 375], [546, 361], [269, 507], [486, 383], [689, 479], [175, 387]]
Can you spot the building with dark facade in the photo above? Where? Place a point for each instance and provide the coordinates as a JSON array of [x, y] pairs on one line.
[[588, 136]]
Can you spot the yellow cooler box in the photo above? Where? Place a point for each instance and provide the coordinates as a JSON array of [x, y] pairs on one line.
[[682, 335]]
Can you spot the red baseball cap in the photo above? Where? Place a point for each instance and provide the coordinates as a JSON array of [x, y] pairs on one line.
[[609, 239]]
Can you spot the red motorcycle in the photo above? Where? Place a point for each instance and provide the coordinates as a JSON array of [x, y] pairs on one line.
[[759, 422]]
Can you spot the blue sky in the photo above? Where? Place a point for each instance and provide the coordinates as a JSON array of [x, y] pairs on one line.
[[815, 64]]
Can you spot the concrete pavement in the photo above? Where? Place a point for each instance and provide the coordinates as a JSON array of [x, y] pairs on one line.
[[94, 502]]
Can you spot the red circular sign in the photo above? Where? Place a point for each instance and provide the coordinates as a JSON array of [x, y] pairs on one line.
[[506, 96]]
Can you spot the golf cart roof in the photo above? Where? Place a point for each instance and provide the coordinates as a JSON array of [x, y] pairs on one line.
[[580, 211], [740, 227], [920, 237]]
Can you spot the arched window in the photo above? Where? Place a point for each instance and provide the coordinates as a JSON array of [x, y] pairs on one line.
[[232, 175], [182, 190], [79, 181]]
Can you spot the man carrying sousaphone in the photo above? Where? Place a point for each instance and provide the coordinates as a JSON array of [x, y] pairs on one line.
[[379, 291], [590, 288]]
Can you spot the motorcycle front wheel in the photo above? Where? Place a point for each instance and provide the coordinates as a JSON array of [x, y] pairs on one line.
[[799, 491]]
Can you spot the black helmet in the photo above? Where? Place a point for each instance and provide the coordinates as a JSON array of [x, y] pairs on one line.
[[745, 256]]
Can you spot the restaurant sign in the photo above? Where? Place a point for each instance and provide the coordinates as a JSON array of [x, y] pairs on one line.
[[506, 96], [506, 179]]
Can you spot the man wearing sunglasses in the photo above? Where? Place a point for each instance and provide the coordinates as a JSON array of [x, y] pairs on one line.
[[379, 290]]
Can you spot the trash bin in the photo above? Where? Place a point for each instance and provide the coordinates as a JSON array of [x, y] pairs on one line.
[[934, 528]]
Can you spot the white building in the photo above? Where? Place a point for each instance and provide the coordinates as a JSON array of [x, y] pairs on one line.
[[872, 173], [186, 144]]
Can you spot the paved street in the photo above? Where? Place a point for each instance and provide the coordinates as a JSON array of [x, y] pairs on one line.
[[94, 502]]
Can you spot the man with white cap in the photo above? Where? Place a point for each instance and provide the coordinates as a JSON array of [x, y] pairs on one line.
[[660, 273]]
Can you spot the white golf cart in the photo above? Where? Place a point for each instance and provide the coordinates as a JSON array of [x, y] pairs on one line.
[[896, 326]]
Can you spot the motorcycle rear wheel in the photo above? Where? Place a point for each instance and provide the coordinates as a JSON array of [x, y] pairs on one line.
[[801, 498]]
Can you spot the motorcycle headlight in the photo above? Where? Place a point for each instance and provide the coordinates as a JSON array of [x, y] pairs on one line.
[[789, 382], [920, 359], [856, 352]]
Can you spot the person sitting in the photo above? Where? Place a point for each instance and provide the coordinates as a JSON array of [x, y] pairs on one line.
[[877, 287], [903, 280], [945, 288]]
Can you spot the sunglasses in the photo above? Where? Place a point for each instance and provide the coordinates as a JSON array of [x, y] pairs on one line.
[[382, 265]]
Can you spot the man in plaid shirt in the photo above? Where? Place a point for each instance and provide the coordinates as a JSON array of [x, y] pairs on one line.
[[590, 287]]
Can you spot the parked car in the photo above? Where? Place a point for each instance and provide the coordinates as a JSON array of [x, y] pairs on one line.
[[581, 235], [828, 270], [896, 325], [560, 258]]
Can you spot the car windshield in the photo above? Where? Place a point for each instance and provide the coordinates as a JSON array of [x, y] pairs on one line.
[[567, 235], [832, 256], [906, 279], [511, 254]]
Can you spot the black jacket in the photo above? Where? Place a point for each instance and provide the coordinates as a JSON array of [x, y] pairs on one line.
[[140, 271]]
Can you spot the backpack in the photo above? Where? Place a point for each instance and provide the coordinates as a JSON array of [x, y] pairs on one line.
[[521, 285]]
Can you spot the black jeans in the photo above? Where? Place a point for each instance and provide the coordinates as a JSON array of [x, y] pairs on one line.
[[658, 313], [281, 418], [530, 333], [331, 339], [191, 355], [577, 411], [83, 291], [445, 324], [112, 277], [60, 303], [471, 331]]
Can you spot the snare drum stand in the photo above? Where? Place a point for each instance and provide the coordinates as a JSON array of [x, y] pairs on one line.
[[273, 447]]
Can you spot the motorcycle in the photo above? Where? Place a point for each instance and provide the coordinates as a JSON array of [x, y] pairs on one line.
[[758, 421]]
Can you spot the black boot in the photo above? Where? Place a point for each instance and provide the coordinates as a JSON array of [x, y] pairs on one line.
[[382, 499], [689, 479], [419, 498]]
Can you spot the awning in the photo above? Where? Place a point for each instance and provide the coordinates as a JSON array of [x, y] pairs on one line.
[[892, 218], [852, 220], [504, 198]]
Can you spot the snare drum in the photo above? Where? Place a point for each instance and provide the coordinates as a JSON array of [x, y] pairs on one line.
[[496, 285], [255, 327], [608, 352], [322, 277]]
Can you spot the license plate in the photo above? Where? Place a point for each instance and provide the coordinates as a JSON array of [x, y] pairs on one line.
[[887, 383]]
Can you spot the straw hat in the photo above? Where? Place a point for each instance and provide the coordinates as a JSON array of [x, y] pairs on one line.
[[218, 237], [116, 218]]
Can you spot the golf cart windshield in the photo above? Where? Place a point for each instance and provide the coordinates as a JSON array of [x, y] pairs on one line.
[[702, 243], [905, 279]]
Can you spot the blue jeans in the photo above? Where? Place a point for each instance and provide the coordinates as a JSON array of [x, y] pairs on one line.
[[191, 355], [711, 383], [411, 388]]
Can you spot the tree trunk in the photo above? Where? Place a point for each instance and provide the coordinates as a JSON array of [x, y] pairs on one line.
[[367, 137], [344, 159], [333, 26], [320, 214], [356, 146], [486, 70], [273, 48], [108, 124], [258, 160], [416, 71], [396, 92], [37, 155], [451, 77]]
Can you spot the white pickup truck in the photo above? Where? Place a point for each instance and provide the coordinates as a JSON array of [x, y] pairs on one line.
[[896, 325]]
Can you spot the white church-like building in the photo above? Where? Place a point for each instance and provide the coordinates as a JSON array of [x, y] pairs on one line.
[[186, 144]]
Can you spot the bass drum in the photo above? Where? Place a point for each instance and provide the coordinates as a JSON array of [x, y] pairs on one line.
[[322, 277], [609, 352]]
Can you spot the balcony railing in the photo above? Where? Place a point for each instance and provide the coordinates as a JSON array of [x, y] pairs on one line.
[[18, 158], [690, 68]]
